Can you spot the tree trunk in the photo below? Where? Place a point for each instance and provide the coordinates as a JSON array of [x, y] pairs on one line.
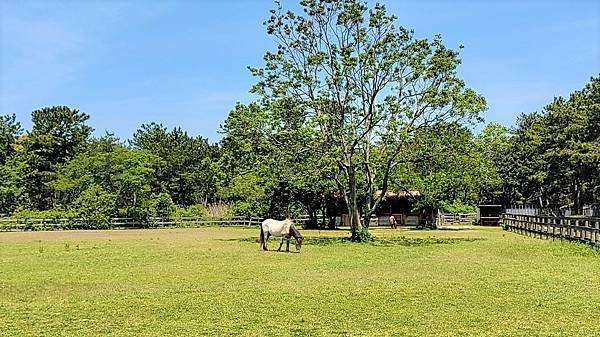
[[359, 232], [313, 222], [367, 210], [577, 204]]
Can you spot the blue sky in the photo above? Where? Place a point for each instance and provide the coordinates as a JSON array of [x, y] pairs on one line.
[[183, 63]]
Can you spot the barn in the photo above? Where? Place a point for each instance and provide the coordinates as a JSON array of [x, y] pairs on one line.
[[399, 204], [402, 206], [489, 215]]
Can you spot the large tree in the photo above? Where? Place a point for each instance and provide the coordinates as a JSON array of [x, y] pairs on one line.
[[58, 134], [10, 182], [187, 173], [269, 165], [109, 179], [555, 154], [10, 130], [492, 146], [446, 165], [365, 86]]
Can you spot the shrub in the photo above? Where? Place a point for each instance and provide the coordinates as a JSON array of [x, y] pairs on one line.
[[95, 207], [162, 206], [44, 220], [199, 211], [457, 206]]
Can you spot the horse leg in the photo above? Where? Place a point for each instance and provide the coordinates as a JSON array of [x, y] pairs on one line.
[[280, 244], [287, 246], [266, 239]]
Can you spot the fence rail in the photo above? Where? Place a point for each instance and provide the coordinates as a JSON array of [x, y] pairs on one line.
[[30, 224], [448, 219], [586, 230], [11, 224]]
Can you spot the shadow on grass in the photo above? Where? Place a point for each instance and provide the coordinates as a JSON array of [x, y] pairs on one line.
[[401, 241]]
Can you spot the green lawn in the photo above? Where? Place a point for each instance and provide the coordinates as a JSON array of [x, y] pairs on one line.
[[216, 282]]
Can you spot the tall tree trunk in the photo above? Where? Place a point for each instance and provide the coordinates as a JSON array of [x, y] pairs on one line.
[[313, 222], [577, 204], [356, 226]]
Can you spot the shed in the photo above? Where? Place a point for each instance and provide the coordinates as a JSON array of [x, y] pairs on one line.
[[401, 206], [489, 215]]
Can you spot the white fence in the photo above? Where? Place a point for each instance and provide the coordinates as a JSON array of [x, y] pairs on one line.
[[448, 219], [588, 210]]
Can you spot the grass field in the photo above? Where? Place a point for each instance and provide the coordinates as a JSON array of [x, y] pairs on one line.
[[216, 282]]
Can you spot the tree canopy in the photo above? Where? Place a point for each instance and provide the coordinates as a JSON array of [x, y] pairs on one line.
[[364, 87]]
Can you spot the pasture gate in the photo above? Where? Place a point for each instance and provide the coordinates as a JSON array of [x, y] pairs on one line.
[[449, 219], [585, 230]]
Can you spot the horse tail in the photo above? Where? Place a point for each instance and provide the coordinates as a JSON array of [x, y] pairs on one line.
[[262, 236]]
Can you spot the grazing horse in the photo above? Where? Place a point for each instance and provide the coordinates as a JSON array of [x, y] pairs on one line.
[[284, 229]]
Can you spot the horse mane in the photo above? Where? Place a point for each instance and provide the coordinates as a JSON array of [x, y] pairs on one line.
[[295, 231]]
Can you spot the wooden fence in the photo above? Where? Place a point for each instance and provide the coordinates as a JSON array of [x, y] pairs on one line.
[[10, 224], [448, 219], [585, 230]]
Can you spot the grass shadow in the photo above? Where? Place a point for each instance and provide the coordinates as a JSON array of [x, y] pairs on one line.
[[401, 241]]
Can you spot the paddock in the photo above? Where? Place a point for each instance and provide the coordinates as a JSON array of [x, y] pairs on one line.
[[214, 281]]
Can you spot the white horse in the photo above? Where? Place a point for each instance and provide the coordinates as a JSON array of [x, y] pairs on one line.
[[284, 229]]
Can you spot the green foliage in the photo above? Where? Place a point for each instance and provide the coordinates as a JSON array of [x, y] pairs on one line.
[[22, 213], [187, 172], [199, 211], [493, 145], [268, 165], [32, 219], [10, 130], [457, 206], [554, 156], [55, 167], [241, 166], [445, 165], [95, 207], [126, 174], [247, 192], [10, 186], [58, 134], [358, 88], [163, 206]]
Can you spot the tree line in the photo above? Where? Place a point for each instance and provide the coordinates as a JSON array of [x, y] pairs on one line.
[[349, 106], [57, 169], [549, 158]]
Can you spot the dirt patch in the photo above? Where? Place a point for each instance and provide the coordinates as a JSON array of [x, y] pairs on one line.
[[126, 234]]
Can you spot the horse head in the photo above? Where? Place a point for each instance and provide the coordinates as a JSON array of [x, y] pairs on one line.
[[296, 234], [299, 242]]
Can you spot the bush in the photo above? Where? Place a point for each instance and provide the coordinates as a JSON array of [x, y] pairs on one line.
[[45, 220], [457, 206], [95, 207], [163, 206], [245, 208], [140, 213], [199, 211]]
